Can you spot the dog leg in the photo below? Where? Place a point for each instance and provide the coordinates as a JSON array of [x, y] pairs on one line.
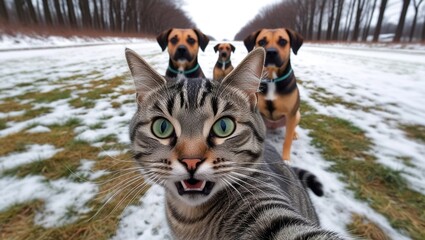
[[291, 124], [298, 117]]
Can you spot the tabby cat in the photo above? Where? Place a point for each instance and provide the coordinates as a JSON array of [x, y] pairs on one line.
[[204, 142]]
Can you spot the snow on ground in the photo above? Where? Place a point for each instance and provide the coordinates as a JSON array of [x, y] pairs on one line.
[[389, 81], [392, 81], [22, 42], [61, 197], [33, 153]]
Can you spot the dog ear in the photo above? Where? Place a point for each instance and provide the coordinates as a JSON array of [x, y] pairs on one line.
[[232, 47], [162, 39], [296, 40], [216, 47], [250, 40], [202, 38]]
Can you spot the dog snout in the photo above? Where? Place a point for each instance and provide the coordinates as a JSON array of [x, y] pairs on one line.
[[223, 54], [182, 53], [181, 49], [273, 57], [271, 53]]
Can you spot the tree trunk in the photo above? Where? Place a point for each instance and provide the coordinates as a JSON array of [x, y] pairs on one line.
[[116, 8], [47, 15], [32, 14], [311, 24], [400, 26], [349, 20], [96, 20], [102, 16], [19, 6], [85, 13], [359, 14], [330, 21], [369, 22], [338, 19], [4, 16], [423, 30], [59, 15], [71, 14], [111, 16], [319, 30], [415, 18], [380, 19]]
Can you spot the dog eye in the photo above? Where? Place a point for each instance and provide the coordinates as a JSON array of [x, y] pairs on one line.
[[282, 42], [262, 42], [174, 40], [191, 41]]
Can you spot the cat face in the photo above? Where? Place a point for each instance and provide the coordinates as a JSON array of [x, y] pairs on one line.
[[196, 136]]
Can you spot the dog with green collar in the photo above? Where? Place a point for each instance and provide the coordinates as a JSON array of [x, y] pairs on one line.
[[183, 46], [223, 66], [279, 98]]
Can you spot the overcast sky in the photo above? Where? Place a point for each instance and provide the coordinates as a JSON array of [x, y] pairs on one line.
[[222, 19]]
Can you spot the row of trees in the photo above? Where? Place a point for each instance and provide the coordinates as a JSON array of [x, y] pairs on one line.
[[338, 20], [129, 16]]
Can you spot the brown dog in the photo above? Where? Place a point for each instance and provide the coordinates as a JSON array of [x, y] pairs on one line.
[[223, 65], [279, 99], [183, 45]]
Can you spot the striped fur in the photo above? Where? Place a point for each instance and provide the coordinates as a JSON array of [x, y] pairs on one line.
[[255, 195]]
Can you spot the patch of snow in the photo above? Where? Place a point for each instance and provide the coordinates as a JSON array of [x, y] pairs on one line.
[[38, 129], [64, 200], [85, 171], [33, 153], [145, 220]]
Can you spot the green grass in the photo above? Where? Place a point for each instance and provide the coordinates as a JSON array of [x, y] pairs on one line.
[[46, 97], [80, 102], [414, 131], [347, 147], [3, 123]]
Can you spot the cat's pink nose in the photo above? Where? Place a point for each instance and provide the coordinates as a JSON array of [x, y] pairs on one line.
[[191, 163]]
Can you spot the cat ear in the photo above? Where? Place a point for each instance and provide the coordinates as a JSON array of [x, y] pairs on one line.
[[145, 77], [247, 75]]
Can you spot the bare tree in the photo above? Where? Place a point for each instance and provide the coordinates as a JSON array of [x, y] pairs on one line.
[[338, 19], [4, 16], [59, 14], [400, 25], [47, 15], [311, 24], [359, 14], [71, 14], [380, 19], [416, 5], [349, 20], [102, 16], [31, 10], [369, 22], [96, 18], [85, 13], [423, 30], [322, 9], [330, 20]]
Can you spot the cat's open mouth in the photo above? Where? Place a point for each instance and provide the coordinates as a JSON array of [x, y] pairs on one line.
[[191, 186]]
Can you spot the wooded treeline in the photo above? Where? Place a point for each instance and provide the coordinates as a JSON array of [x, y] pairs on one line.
[[119, 16], [341, 20]]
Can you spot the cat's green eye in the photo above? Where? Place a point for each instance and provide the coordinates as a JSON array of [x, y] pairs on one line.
[[223, 127], [162, 128]]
